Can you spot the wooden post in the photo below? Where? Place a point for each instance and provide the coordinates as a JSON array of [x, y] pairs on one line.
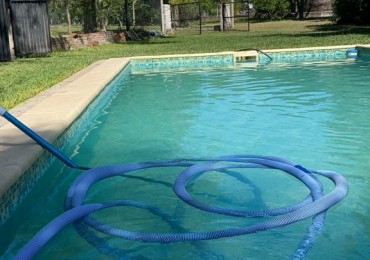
[[6, 36], [10, 31]]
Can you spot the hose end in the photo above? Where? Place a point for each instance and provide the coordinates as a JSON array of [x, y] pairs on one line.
[[2, 110]]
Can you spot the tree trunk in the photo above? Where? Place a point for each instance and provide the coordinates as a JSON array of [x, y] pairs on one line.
[[68, 14], [133, 13], [103, 10], [301, 4], [103, 24], [89, 16], [227, 21], [176, 15]]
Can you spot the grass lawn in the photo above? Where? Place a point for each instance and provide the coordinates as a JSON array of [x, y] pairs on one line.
[[25, 77]]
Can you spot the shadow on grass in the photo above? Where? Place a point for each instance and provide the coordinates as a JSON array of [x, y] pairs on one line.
[[163, 40], [341, 29], [150, 42], [323, 31]]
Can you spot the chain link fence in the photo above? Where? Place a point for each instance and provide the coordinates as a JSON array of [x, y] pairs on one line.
[[146, 15], [109, 15]]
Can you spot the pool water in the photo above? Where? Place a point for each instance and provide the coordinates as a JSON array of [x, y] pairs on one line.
[[313, 113]]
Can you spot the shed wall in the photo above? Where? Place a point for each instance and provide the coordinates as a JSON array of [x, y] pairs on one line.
[[4, 39], [30, 27]]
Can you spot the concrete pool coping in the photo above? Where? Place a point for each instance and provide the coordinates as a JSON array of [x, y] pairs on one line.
[[53, 110], [49, 114]]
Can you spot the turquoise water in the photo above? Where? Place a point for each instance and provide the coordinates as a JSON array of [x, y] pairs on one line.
[[314, 113]]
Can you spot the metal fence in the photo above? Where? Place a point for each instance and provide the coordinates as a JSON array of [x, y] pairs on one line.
[[187, 16], [235, 16], [219, 16], [138, 15]]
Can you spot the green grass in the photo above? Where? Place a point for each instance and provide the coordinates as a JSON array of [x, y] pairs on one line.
[[25, 77]]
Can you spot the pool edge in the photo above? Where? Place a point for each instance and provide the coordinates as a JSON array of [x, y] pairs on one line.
[[49, 113], [68, 99]]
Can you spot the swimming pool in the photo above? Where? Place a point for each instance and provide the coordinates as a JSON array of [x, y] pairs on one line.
[[313, 113]]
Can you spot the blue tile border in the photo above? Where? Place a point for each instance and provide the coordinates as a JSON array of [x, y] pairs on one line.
[[219, 60], [176, 62], [19, 190], [305, 55]]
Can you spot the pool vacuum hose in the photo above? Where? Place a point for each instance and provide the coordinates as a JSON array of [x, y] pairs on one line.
[[38, 139], [315, 205]]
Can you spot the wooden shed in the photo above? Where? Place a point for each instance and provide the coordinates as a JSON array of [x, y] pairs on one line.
[[25, 27]]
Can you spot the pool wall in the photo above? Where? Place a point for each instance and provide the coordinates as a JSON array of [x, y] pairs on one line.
[[175, 61], [48, 114], [363, 50], [54, 110]]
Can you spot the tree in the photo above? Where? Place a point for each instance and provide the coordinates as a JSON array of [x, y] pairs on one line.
[[115, 12], [65, 11], [147, 12], [271, 9], [90, 24], [352, 11], [68, 16], [301, 8], [102, 13]]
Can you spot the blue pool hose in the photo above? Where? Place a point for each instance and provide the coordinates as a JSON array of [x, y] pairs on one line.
[[38, 139], [315, 205]]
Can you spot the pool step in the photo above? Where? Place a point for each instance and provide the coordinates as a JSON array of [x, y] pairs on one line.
[[246, 56]]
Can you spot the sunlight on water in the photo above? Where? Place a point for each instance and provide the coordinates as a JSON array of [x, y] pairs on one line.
[[314, 113]]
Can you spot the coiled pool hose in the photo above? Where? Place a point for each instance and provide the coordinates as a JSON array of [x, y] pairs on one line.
[[315, 205], [75, 210]]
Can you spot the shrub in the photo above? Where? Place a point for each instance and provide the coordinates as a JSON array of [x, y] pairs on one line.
[[352, 11], [271, 9]]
